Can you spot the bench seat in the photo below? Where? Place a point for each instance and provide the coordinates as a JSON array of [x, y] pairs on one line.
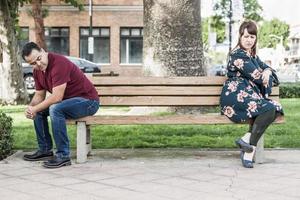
[[156, 120], [154, 91]]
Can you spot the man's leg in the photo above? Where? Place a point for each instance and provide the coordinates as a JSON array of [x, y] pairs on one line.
[[43, 138], [68, 109]]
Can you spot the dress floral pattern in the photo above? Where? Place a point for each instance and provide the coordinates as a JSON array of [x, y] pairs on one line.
[[243, 95]]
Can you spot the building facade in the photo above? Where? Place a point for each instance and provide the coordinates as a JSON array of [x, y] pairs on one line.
[[294, 45], [117, 32]]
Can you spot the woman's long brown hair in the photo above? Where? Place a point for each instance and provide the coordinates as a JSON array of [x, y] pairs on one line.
[[252, 29]]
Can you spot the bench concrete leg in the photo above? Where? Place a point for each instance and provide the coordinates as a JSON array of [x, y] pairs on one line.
[[259, 157], [88, 140], [81, 142]]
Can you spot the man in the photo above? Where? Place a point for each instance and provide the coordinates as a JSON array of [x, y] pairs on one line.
[[72, 96]]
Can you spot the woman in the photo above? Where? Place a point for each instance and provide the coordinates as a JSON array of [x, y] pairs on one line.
[[245, 93]]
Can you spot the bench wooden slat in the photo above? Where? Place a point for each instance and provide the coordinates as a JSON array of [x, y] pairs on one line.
[[162, 100], [158, 90], [170, 119], [159, 101], [186, 81], [153, 91], [164, 90], [275, 91]]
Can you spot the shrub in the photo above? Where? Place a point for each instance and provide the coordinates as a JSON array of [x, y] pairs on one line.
[[6, 139], [289, 90]]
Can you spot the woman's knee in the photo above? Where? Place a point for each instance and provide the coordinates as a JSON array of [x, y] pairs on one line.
[[272, 114], [266, 116]]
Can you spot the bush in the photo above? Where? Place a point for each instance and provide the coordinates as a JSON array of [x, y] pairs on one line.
[[6, 139], [289, 90]]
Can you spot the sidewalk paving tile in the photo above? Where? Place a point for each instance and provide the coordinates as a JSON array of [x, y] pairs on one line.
[[164, 174]]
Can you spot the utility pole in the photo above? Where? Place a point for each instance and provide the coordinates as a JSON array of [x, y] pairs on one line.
[[230, 24], [91, 38], [237, 15]]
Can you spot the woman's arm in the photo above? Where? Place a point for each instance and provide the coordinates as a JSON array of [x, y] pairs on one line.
[[263, 65], [250, 70], [241, 62]]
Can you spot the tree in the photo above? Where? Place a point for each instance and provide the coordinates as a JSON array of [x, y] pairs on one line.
[[273, 27], [38, 15], [12, 89], [172, 38], [216, 25], [39, 30], [252, 11]]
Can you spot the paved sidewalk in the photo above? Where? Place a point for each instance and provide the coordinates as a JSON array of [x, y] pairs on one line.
[[155, 175]]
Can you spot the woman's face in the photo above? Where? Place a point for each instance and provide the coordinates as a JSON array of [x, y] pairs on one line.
[[247, 40]]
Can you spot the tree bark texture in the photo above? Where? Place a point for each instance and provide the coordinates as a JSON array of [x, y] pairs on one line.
[[12, 89], [39, 23], [172, 38]]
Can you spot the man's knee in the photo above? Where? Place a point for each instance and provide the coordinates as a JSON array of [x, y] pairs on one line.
[[43, 113], [54, 109]]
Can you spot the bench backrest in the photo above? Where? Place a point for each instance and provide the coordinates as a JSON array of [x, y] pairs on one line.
[[161, 91]]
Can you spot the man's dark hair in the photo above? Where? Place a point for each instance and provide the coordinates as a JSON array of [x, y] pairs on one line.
[[28, 47]]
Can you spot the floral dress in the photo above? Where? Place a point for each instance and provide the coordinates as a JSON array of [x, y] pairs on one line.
[[243, 95]]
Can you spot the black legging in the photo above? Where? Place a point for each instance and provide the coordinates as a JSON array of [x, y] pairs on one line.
[[260, 124]]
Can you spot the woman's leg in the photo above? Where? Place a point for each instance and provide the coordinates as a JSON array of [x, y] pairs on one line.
[[244, 141], [261, 123], [246, 137], [251, 121]]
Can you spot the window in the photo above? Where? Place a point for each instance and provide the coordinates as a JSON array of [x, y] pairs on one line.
[[23, 37], [101, 44], [131, 45], [57, 39]]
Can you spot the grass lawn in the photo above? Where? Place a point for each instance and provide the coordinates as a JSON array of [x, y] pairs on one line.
[[285, 135]]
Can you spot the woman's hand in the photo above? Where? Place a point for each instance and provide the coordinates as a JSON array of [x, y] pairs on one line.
[[266, 77]]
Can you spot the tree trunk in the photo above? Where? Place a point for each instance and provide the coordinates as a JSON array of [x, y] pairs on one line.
[[172, 38], [12, 89], [173, 41], [39, 23]]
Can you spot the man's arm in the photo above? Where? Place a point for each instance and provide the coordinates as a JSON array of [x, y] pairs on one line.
[[56, 96], [38, 97]]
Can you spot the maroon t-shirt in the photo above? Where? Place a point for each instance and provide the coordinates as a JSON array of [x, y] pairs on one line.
[[60, 70]]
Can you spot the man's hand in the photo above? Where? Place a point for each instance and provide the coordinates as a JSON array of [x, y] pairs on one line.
[[30, 112], [266, 77]]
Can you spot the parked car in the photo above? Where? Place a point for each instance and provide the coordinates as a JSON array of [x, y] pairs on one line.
[[28, 76], [84, 65], [289, 74], [217, 70]]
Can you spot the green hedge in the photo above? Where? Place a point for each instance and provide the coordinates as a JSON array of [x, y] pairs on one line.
[[6, 138], [289, 90]]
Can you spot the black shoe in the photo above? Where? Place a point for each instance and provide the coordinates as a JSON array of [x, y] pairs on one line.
[[57, 162], [246, 163], [244, 146], [38, 155]]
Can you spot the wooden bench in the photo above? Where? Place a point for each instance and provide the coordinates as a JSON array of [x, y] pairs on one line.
[[154, 91]]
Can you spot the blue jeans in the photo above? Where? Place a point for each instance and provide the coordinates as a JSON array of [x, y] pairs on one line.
[[72, 108]]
